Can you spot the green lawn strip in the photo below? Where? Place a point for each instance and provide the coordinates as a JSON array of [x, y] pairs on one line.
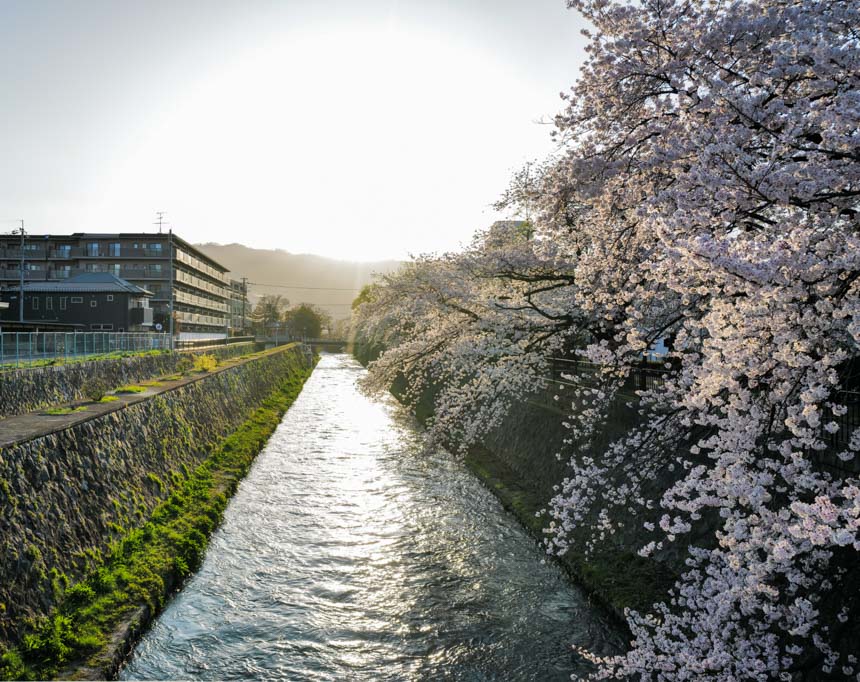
[[139, 568], [107, 399], [616, 578], [54, 411], [131, 388]]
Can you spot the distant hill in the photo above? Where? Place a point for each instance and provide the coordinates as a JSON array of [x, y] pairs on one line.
[[273, 271]]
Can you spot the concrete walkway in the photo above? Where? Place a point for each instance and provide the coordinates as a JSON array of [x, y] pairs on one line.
[[24, 427]]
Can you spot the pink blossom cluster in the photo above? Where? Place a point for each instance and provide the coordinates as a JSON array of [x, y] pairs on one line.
[[706, 193]]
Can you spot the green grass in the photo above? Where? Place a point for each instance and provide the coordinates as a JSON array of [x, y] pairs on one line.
[[107, 399], [142, 566], [55, 411], [151, 384], [130, 388]]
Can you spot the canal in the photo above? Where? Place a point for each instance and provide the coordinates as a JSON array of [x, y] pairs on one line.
[[351, 551]]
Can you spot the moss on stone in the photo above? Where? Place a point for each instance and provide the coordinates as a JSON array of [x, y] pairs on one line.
[[143, 564]]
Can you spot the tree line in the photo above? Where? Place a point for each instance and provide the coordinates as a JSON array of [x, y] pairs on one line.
[[273, 315]]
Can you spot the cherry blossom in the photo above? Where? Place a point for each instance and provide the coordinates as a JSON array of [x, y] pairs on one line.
[[705, 193]]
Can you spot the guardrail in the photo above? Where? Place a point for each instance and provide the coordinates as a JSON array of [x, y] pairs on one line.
[[30, 349]]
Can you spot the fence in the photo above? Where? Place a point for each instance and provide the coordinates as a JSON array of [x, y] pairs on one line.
[[193, 344], [22, 349], [642, 378], [647, 377]]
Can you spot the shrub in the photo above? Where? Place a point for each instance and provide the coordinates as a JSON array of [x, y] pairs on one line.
[[205, 363], [79, 595], [131, 388], [184, 364], [94, 389]]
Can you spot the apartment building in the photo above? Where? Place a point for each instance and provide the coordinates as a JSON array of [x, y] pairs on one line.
[[200, 285], [240, 308]]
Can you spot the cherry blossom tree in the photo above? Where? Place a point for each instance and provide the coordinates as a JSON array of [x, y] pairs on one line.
[[715, 146], [478, 327], [706, 193]]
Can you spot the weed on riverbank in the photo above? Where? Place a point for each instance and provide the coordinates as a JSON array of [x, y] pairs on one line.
[[133, 577]]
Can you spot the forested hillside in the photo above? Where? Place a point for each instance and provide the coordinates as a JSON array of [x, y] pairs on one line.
[[332, 284]]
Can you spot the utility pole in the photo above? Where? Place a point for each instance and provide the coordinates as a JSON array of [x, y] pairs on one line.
[[170, 274], [21, 273], [244, 299]]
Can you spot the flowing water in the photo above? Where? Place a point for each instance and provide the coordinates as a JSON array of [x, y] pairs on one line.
[[351, 552]]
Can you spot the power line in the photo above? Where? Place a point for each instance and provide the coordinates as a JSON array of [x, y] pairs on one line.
[[295, 286]]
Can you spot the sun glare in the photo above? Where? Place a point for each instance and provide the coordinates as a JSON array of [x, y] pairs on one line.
[[328, 141]]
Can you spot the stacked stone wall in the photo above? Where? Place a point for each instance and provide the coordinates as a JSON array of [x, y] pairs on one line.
[[29, 389], [65, 496]]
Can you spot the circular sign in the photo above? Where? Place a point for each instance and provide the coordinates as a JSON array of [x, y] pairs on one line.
[[158, 326]]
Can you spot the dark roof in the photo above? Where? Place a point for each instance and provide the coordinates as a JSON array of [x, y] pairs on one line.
[[89, 282]]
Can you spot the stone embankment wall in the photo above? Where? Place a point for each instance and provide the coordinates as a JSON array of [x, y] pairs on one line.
[[65, 496], [25, 390], [519, 462]]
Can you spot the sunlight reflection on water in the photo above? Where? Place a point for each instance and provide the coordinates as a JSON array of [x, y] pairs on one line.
[[351, 552]]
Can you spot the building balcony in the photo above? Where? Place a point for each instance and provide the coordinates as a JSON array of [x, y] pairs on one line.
[[29, 275], [75, 252]]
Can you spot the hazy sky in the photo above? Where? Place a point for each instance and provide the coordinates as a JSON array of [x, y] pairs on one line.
[[358, 129]]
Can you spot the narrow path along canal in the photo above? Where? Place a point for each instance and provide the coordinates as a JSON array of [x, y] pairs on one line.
[[350, 551]]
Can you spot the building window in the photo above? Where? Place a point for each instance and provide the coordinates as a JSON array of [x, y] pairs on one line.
[[110, 297], [49, 302], [35, 302], [93, 303], [114, 249], [63, 302], [93, 249], [101, 327], [77, 299]]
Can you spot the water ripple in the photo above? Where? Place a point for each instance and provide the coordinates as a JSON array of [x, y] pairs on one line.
[[351, 552]]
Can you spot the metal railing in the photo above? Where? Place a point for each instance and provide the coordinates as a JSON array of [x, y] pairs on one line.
[[646, 377], [192, 344], [642, 378], [33, 349]]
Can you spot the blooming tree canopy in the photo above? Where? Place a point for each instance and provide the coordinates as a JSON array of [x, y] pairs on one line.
[[707, 193]]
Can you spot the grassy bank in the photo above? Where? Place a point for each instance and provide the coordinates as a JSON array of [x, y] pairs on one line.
[[98, 618]]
